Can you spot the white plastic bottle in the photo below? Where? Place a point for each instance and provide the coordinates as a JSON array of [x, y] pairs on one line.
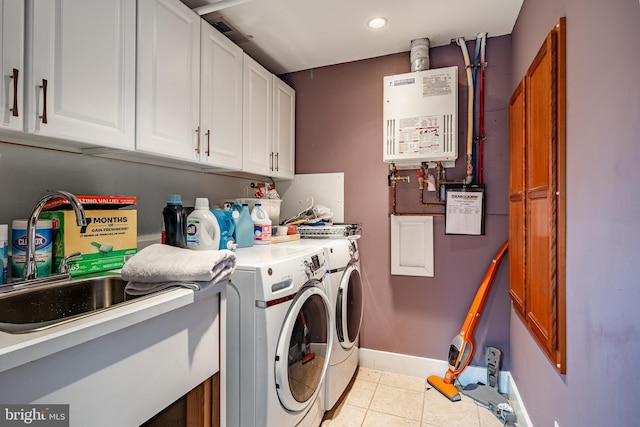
[[261, 225], [203, 230]]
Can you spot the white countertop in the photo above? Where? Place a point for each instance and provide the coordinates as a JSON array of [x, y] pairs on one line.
[[19, 349]]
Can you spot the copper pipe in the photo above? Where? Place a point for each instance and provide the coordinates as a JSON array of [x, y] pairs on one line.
[[393, 178]]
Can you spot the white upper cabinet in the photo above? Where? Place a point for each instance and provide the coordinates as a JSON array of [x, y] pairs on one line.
[[220, 100], [268, 123], [284, 106], [81, 79], [168, 103], [12, 64], [257, 153]]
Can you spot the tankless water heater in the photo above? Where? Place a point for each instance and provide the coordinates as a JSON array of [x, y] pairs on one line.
[[421, 117]]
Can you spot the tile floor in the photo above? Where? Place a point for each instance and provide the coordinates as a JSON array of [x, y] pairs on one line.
[[375, 398]]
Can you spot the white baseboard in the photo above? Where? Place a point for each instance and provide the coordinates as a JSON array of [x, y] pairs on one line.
[[518, 406], [424, 367]]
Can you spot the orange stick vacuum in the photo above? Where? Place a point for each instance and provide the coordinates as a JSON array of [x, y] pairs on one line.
[[461, 348]]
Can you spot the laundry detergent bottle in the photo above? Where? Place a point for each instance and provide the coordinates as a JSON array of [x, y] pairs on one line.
[[244, 227], [261, 225], [203, 230], [174, 222]]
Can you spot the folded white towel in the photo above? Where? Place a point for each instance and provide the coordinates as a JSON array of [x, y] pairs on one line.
[[160, 266], [139, 288]]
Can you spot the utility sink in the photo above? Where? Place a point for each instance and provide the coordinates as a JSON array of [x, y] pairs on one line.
[[46, 305]]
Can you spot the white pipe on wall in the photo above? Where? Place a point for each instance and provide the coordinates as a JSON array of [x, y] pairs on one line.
[[467, 63]]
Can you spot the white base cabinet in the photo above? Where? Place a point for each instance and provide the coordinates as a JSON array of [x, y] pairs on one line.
[[125, 377]]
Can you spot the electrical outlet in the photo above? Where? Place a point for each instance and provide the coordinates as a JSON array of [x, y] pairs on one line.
[[555, 424]]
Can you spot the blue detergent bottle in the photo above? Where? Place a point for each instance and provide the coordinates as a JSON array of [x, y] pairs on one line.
[[244, 227]]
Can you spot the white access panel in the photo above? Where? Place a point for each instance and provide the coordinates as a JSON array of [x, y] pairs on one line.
[[412, 245], [420, 116]]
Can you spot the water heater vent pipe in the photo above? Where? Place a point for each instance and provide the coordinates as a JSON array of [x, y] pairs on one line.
[[419, 54]]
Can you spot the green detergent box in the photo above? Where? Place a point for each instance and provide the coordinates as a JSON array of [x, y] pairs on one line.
[[105, 243]]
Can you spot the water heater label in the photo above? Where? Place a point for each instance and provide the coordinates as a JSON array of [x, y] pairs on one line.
[[437, 85], [419, 135]]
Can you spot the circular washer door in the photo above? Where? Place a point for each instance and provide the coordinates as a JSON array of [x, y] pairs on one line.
[[349, 307], [303, 350]]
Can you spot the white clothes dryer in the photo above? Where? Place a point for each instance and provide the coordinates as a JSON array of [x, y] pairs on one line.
[[345, 292], [278, 337]]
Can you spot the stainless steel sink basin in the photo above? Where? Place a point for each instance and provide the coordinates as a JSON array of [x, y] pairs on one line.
[[43, 306]]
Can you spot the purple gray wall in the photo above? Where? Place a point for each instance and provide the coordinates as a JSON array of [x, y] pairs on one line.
[[603, 237], [339, 129]]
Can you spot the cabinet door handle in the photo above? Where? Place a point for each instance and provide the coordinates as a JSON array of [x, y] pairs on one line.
[[277, 163], [44, 101], [198, 141], [208, 142], [14, 76], [271, 161]]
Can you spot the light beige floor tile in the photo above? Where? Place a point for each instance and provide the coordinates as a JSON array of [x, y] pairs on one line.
[[345, 416], [378, 419], [487, 418], [361, 394], [403, 381], [367, 374], [440, 411], [398, 401]]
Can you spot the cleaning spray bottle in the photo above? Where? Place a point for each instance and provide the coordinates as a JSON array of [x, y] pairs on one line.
[[203, 230]]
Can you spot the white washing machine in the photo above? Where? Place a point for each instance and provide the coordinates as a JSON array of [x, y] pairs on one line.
[[345, 292], [278, 337]]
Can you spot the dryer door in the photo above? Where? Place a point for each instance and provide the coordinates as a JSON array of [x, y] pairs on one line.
[[304, 346], [349, 307]]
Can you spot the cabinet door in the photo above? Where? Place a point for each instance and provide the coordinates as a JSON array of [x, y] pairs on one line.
[[82, 79], [257, 154], [517, 199], [540, 85], [220, 100], [537, 230], [284, 105], [12, 64], [168, 103]]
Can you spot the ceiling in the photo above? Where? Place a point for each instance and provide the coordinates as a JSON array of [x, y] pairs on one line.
[[292, 35]]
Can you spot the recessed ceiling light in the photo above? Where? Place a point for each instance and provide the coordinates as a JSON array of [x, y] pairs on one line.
[[376, 23]]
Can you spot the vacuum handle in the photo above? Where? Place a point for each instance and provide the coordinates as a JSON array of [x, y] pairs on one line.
[[483, 291]]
